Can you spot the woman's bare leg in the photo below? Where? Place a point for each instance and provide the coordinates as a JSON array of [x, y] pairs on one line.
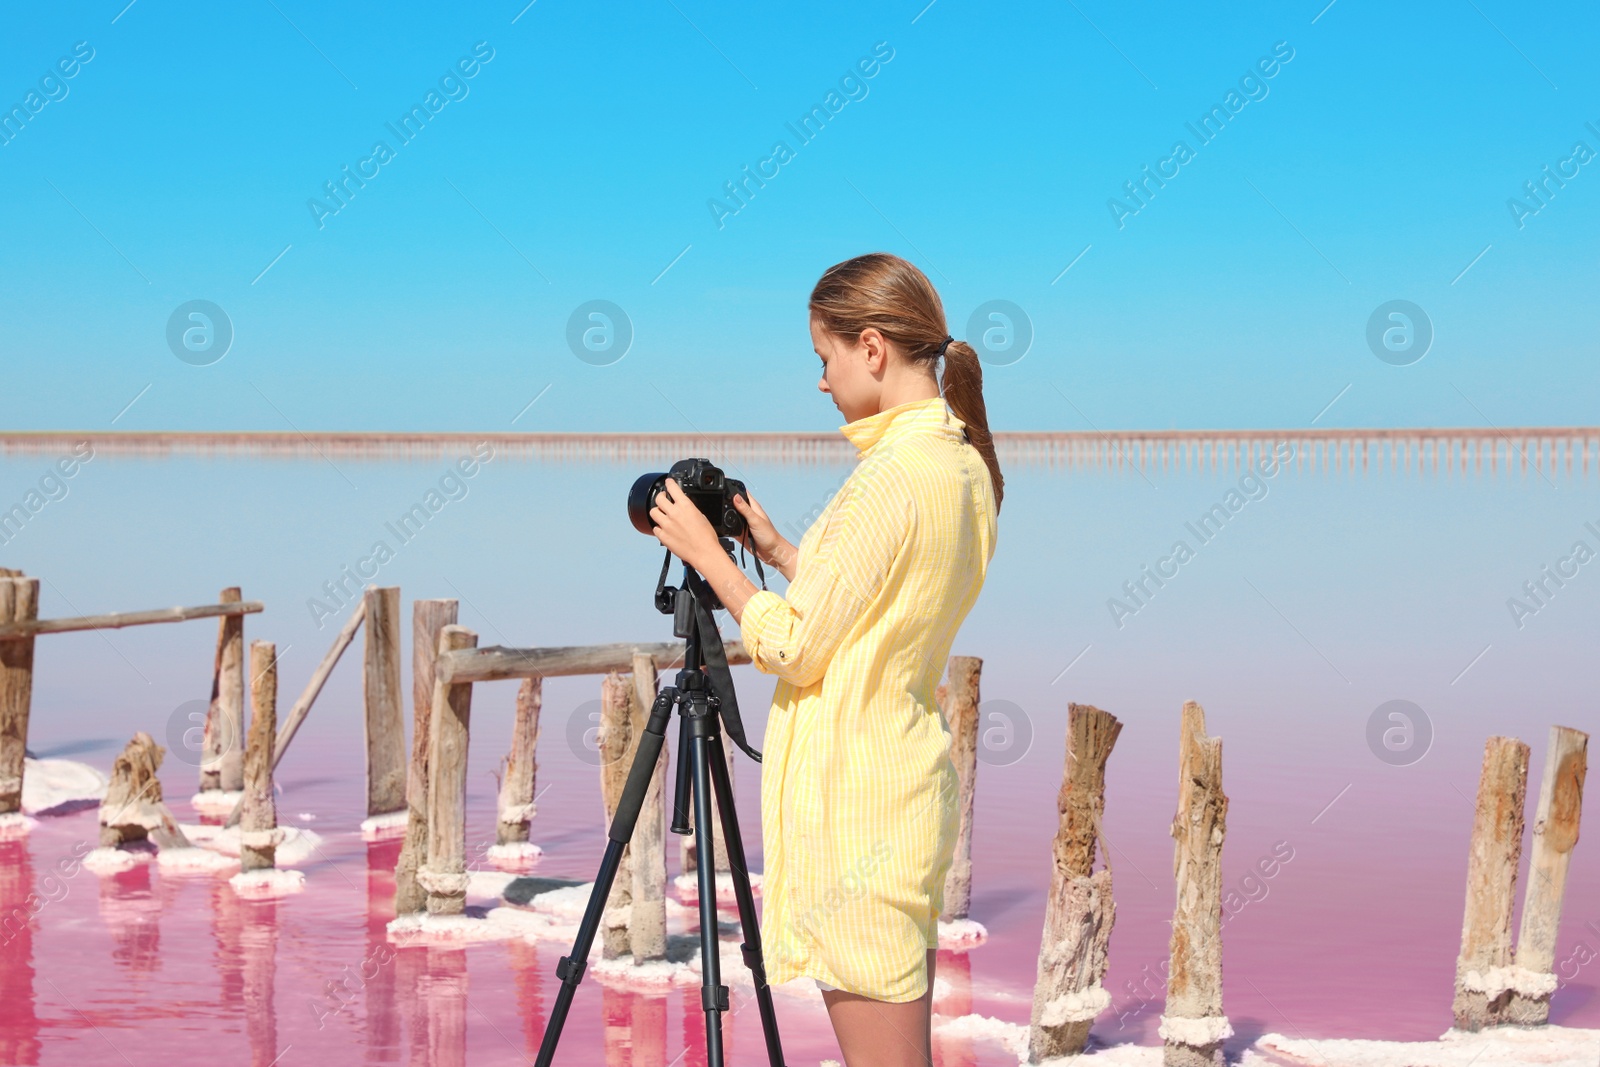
[[876, 1033]]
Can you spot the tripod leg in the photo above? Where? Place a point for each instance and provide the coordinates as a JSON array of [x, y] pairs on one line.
[[682, 782], [570, 969], [751, 948], [713, 994]]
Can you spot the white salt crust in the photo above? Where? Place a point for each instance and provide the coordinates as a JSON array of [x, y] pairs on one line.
[[51, 784], [268, 883], [15, 824], [215, 802], [1076, 1007], [514, 857], [379, 827], [193, 861], [1195, 1032]]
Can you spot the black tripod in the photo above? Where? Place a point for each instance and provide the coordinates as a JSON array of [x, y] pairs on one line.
[[705, 696]]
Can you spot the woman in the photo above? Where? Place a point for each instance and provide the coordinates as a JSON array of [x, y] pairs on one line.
[[858, 791]]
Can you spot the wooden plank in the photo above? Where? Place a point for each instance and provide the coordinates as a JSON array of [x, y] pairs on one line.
[[19, 606], [496, 663], [647, 925], [520, 773], [1555, 834], [614, 744], [1193, 1026], [444, 875], [222, 750], [385, 715], [959, 701], [258, 825], [1481, 996], [1068, 992], [116, 621], [428, 620]]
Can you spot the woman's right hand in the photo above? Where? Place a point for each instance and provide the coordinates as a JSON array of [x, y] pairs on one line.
[[762, 537]]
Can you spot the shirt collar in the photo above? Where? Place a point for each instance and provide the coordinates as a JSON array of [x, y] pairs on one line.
[[930, 415]]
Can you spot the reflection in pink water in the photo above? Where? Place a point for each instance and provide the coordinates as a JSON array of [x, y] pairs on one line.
[[150, 967]]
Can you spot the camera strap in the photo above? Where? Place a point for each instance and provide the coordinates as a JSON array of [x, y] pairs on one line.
[[718, 674]]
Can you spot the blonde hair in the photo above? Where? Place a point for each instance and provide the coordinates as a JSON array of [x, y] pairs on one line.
[[882, 291]]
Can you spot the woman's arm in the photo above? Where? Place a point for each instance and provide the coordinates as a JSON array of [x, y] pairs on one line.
[[795, 637]]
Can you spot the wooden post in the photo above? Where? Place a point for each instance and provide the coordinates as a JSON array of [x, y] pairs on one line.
[[385, 718], [19, 603], [1068, 994], [647, 926], [1193, 1026], [133, 809], [520, 774], [444, 875], [959, 702], [428, 620], [1555, 833], [258, 823], [1482, 991], [222, 753], [612, 741]]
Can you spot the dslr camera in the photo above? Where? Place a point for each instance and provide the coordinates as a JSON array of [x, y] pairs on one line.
[[710, 490]]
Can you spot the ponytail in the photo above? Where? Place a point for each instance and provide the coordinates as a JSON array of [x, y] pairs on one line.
[[884, 292], [963, 390]]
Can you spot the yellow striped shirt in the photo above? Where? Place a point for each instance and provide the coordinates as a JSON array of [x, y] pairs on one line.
[[858, 791]]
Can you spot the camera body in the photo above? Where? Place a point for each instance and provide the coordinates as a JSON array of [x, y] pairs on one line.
[[710, 490]]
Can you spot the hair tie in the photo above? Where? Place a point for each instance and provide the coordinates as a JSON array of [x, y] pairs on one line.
[[944, 345]]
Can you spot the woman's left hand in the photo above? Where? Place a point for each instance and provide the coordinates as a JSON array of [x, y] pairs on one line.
[[681, 526]]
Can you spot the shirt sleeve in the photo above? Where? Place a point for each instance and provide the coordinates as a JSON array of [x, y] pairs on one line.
[[795, 637]]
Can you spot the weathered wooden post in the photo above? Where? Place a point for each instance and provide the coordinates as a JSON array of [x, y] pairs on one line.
[[258, 823], [1555, 833], [19, 602], [647, 925], [1193, 1026], [385, 716], [613, 743], [959, 701], [428, 620], [520, 774], [133, 809], [1079, 912], [222, 746], [1482, 992], [444, 875]]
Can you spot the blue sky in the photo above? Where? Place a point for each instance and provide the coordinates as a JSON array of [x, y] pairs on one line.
[[578, 163]]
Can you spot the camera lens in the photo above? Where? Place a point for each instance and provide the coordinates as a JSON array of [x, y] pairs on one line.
[[641, 498]]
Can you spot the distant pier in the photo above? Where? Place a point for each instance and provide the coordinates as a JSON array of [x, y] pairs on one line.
[[1550, 450]]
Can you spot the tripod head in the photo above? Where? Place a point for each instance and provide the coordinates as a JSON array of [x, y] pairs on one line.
[[690, 606]]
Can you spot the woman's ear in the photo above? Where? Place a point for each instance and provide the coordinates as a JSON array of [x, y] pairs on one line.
[[875, 349]]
